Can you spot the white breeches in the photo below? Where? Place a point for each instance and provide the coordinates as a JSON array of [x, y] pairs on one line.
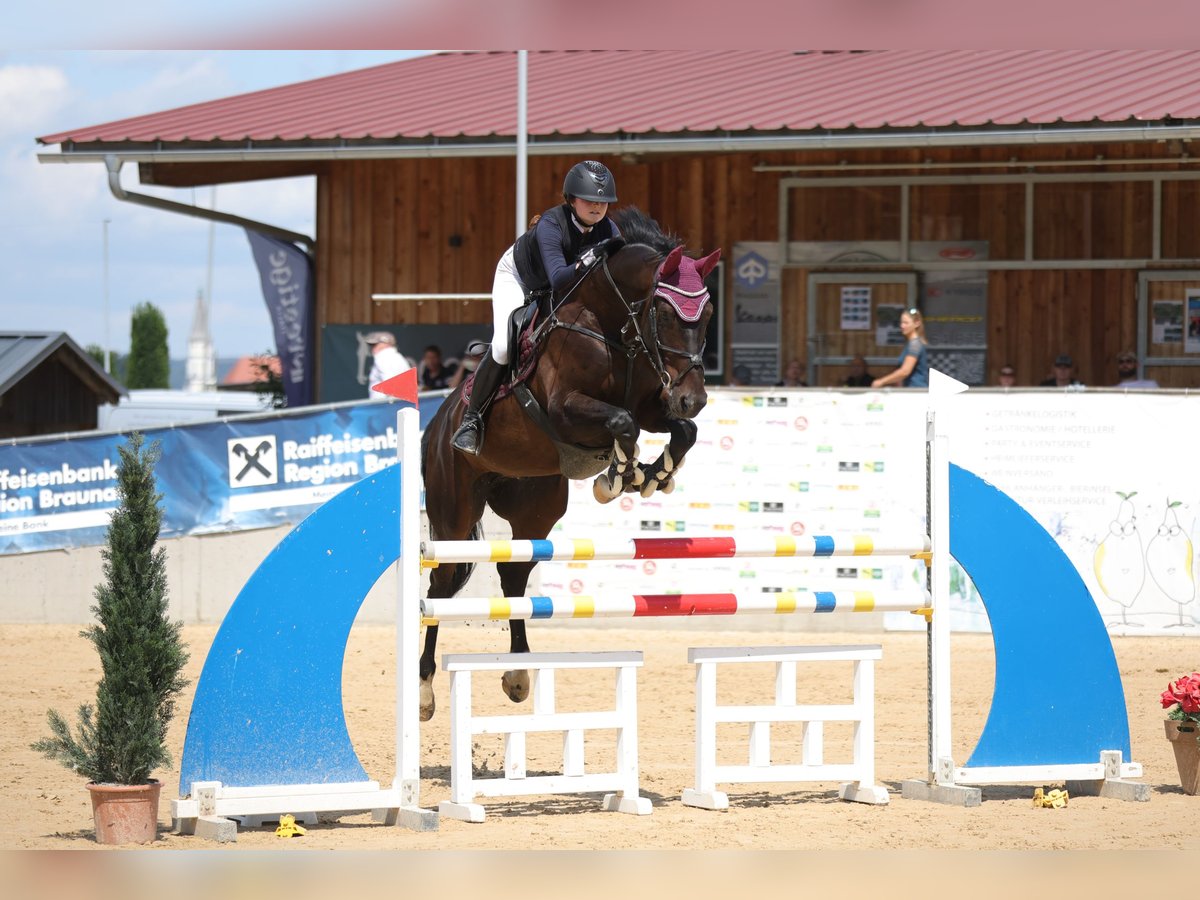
[[507, 295]]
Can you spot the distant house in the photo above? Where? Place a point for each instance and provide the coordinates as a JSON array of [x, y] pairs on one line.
[[49, 385], [247, 373]]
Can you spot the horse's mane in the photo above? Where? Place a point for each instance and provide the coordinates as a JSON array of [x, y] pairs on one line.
[[638, 228]]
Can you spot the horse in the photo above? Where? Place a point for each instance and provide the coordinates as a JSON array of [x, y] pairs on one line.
[[620, 353]]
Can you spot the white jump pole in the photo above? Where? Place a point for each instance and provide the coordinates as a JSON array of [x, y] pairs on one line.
[[408, 624]]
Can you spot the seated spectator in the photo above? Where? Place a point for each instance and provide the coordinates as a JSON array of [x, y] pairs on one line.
[[793, 375], [434, 374], [859, 376], [1064, 368], [741, 376], [1007, 377], [472, 354], [1127, 372]]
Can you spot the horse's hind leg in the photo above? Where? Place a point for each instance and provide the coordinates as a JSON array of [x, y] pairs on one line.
[[532, 506], [454, 502], [514, 577]]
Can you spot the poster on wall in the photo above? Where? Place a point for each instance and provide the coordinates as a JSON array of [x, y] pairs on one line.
[[856, 307], [887, 325], [1192, 342], [1167, 326], [754, 339]]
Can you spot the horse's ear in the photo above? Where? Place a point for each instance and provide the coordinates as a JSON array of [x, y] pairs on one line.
[[671, 263], [706, 265]]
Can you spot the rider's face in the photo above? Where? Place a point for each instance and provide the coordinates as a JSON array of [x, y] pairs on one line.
[[589, 212]]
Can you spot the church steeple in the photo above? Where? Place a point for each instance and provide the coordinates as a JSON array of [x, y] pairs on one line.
[[202, 359]]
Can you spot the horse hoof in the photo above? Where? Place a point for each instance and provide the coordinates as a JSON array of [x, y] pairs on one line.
[[649, 487], [428, 704], [602, 490], [516, 684]]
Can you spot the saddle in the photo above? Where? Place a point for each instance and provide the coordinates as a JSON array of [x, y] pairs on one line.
[[522, 325]]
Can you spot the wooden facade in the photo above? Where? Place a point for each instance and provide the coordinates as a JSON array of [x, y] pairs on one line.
[[59, 395], [438, 225]]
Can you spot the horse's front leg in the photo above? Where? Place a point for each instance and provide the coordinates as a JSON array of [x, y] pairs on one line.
[[580, 411], [660, 474]]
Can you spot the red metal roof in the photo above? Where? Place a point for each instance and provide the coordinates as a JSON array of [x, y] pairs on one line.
[[454, 95]]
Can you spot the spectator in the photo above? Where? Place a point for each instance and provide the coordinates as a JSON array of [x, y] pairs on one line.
[[1064, 368], [387, 362], [1008, 376], [912, 368], [1127, 372], [435, 375], [859, 376], [741, 376], [470, 362], [793, 375]]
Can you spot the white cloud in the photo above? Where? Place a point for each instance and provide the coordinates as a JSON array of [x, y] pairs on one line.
[[30, 98]]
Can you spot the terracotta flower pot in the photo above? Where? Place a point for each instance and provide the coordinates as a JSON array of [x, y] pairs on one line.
[[125, 813], [1184, 740]]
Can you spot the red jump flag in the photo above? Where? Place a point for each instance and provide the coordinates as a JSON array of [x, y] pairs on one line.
[[402, 386]]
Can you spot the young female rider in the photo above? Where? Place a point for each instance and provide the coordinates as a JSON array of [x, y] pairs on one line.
[[913, 366], [548, 255]]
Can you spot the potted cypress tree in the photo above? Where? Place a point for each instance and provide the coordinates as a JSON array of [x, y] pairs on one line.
[[120, 741]]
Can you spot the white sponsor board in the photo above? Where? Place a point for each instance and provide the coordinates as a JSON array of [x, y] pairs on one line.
[[1108, 475]]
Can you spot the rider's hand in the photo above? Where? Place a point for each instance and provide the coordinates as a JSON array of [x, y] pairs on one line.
[[587, 258]]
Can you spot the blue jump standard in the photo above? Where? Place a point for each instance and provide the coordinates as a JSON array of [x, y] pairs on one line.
[[1058, 697], [268, 704]]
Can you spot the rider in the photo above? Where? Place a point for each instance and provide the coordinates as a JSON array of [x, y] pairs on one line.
[[549, 255]]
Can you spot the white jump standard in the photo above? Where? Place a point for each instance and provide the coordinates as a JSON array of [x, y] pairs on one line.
[[515, 782], [858, 775]]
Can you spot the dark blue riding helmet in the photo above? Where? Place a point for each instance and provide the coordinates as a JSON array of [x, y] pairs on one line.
[[590, 180]]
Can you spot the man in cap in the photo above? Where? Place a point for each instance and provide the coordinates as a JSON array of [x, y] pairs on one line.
[[388, 361], [1064, 366], [1127, 372]]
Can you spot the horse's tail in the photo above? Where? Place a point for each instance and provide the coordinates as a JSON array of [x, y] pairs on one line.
[[462, 571]]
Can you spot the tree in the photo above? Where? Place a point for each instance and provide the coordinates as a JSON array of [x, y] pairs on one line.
[[123, 738], [96, 352], [148, 366]]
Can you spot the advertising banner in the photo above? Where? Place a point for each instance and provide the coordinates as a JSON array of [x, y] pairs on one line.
[[286, 274], [1101, 473], [249, 472]]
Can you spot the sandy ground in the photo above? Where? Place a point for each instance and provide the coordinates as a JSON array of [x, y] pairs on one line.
[[44, 806]]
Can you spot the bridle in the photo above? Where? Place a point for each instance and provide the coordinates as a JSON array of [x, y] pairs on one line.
[[633, 341]]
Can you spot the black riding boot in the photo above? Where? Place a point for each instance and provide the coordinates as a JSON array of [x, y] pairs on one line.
[[469, 437]]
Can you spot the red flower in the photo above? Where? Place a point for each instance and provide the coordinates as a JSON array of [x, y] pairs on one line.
[[1185, 691]]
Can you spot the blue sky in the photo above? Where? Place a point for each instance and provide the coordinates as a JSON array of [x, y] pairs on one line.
[[52, 215]]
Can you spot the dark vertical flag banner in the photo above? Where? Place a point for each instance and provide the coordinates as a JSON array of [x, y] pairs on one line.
[[287, 283]]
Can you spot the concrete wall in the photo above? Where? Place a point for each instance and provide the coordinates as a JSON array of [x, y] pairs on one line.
[[205, 573]]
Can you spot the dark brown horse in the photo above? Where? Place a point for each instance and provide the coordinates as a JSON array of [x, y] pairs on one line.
[[622, 352]]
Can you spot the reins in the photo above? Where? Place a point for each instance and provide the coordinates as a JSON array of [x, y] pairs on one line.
[[633, 341]]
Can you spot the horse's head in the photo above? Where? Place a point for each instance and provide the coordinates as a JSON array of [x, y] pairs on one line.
[[679, 314]]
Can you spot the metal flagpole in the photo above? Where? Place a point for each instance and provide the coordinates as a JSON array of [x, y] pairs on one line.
[[522, 150]]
